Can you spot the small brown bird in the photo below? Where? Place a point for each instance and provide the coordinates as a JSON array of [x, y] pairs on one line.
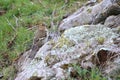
[[41, 36]]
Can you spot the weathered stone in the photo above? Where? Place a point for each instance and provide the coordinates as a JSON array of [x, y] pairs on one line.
[[52, 60], [84, 15], [112, 9], [80, 17], [112, 21]]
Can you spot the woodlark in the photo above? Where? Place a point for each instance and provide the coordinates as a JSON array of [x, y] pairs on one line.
[[41, 36]]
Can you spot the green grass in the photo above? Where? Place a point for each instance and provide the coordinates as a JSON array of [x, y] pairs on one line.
[[9, 73], [19, 17]]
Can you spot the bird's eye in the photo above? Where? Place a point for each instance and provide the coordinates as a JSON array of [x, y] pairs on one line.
[[36, 40]]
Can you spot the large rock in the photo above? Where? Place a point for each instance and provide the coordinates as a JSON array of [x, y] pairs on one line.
[[84, 15], [83, 45], [112, 21]]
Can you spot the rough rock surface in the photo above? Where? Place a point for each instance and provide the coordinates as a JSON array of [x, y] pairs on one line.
[[112, 21], [84, 15], [76, 45]]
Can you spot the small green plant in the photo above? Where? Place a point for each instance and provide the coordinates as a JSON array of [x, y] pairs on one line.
[[89, 10], [100, 40], [63, 41], [84, 74], [95, 74], [8, 73]]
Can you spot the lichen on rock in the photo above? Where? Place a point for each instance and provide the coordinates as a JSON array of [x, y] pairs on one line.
[[88, 33]]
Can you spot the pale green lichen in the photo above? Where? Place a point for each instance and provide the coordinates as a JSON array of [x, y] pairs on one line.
[[86, 33], [89, 34]]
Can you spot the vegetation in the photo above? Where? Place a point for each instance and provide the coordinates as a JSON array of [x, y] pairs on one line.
[[85, 74], [17, 25], [100, 40], [63, 42]]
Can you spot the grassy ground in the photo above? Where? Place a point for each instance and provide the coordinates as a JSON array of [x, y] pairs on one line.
[[18, 18]]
